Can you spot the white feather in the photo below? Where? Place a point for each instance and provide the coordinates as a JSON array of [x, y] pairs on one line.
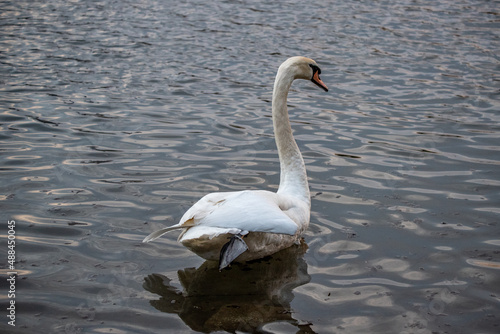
[[252, 211]]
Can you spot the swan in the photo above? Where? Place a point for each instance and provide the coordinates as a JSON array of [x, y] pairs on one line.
[[251, 224]]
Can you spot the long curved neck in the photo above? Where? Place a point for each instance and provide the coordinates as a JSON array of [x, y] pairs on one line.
[[293, 178]]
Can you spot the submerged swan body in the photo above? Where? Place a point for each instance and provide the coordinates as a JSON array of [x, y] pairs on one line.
[[252, 224]]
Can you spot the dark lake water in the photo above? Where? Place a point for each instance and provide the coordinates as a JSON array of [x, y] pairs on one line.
[[116, 116]]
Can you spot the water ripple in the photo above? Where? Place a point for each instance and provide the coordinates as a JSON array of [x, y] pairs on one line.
[[117, 116]]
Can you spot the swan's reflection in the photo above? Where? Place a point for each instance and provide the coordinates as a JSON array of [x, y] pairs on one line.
[[242, 298]]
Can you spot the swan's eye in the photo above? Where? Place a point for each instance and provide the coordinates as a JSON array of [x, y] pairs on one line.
[[315, 68]]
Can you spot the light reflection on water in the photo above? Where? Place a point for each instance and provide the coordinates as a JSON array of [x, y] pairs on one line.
[[117, 116]]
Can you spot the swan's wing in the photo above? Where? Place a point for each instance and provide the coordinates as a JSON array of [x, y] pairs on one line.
[[252, 211], [242, 211]]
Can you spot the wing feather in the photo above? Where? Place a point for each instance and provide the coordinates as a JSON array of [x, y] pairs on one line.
[[253, 211], [247, 211], [155, 235]]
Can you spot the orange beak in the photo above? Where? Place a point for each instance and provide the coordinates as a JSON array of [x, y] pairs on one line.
[[318, 81]]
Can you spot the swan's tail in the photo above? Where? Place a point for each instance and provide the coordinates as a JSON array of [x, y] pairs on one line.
[[231, 250], [155, 235]]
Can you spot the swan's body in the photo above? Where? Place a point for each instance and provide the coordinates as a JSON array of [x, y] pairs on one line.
[[258, 223]]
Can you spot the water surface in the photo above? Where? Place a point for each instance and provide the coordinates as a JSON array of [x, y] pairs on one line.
[[116, 116]]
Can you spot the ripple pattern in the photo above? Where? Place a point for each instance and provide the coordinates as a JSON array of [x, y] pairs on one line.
[[117, 115]]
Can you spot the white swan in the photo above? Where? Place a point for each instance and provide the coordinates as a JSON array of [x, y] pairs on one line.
[[257, 223]]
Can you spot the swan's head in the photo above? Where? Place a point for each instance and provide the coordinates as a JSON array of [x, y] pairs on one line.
[[304, 68]]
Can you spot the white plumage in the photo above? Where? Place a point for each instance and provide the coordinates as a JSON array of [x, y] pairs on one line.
[[251, 224]]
